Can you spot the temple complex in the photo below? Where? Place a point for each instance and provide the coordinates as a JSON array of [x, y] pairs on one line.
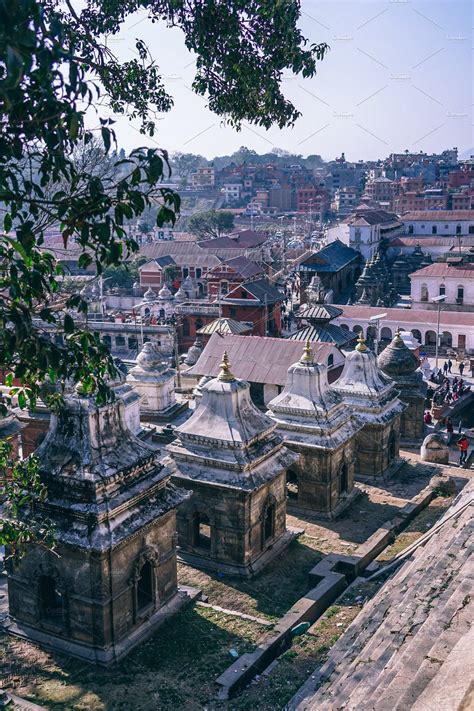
[[229, 454], [315, 424], [402, 366], [373, 398], [111, 578], [153, 379], [318, 315]]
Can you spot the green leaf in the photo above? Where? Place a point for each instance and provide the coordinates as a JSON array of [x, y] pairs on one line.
[[68, 324]]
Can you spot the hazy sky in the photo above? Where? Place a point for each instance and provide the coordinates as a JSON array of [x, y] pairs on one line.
[[398, 76]]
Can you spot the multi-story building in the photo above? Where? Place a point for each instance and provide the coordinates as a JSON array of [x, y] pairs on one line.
[[312, 199], [365, 229], [442, 222], [454, 281], [345, 200], [203, 178]]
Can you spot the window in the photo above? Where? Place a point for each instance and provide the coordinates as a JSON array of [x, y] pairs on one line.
[[471, 229], [243, 295], [107, 341], [330, 360], [224, 287], [199, 323], [458, 229], [442, 290], [343, 480], [411, 229], [233, 312], [185, 271], [460, 295], [50, 600], [145, 586], [268, 522], [202, 532], [132, 344], [186, 328], [198, 272], [120, 341], [434, 230], [291, 484], [424, 293]]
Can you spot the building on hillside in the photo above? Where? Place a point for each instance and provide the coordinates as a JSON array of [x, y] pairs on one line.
[[401, 364], [263, 362], [373, 399], [257, 302], [229, 455], [455, 281], [111, 578], [314, 319], [345, 201], [314, 200], [337, 265], [456, 328], [442, 222], [203, 178], [409, 646], [227, 276], [365, 229], [316, 425], [380, 190]]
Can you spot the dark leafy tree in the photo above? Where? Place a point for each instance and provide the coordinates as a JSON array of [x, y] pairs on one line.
[[55, 67], [210, 223]]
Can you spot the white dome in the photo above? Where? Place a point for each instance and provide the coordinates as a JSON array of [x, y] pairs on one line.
[[149, 295], [164, 293]]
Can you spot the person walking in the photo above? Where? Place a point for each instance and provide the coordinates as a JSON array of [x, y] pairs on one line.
[[463, 445], [461, 367], [450, 365], [459, 427], [445, 368], [449, 429]]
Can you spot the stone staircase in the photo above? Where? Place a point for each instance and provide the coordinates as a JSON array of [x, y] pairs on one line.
[[398, 644]]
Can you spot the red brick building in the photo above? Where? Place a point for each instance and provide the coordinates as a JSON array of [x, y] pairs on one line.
[[225, 277], [258, 302]]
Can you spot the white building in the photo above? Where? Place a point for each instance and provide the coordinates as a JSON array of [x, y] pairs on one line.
[[426, 223], [204, 177], [454, 281], [232, 190], [365, 229], [456, 327]]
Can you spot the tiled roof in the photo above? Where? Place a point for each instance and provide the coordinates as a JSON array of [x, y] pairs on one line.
[[371, 217], [261, 289], [319, 312], [224, 326], [329, 333], [440, 241], [245, 267], [438, 215], [249, 238], [443, 269], [331, 258], [258, 359]]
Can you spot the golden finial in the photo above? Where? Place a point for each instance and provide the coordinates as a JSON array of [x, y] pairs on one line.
[[225, 373], [398, 334], [361, 347], [307, 356]]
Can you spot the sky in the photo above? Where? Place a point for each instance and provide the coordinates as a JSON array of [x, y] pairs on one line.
[[399, 75]]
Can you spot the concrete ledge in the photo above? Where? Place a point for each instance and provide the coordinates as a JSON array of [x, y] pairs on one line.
[[112, 654], [343, 504]]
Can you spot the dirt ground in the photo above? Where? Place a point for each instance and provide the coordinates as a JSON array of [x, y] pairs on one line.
[[177, 667]]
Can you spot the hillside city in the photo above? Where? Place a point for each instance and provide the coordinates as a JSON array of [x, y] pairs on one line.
[[236, 392]]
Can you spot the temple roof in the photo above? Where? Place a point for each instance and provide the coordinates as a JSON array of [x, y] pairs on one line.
[[308, 409], [365, 388], [397, 359], [326, 333], [227, 440], [225, 325], [319, 312]]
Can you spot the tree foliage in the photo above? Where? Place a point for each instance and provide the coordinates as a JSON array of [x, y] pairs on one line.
[[210, 223], [55, 67]]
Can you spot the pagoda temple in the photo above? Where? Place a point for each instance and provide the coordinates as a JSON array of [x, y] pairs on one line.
[[111, 578], [373, 398], [230, 455], [319, 427]]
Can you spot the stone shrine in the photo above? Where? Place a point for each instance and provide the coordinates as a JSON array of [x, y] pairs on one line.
[[374, 400], [315, 424], [111, 578], [229, 454], [153, 379], [401, 364]]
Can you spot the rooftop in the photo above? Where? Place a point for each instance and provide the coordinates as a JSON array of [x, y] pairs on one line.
[[423, 317], [260, 289], [224, 326], [438, 215], [445, 269], [258, 359], [331, 258]]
